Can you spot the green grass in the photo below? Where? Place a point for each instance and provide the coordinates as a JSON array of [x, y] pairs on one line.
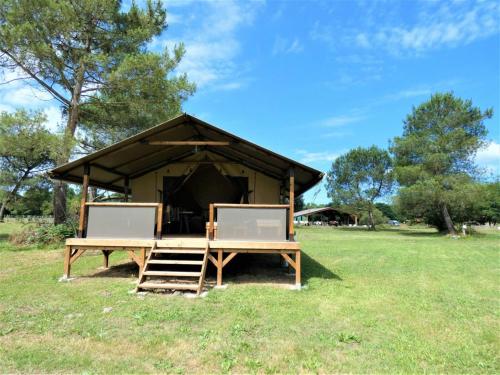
[[387, 301]]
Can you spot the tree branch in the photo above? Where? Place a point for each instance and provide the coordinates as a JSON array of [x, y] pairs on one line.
[[53, 92]]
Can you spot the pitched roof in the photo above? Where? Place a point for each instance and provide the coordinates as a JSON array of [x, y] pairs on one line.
[[135, 156]]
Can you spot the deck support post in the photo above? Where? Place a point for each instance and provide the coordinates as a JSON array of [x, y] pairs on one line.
[[67, 262], [106, 254], [219, 267], [142, 258], [291, 199], [297, 268], [82, 224]]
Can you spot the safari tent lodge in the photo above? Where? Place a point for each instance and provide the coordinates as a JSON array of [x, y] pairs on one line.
[[193, 194]]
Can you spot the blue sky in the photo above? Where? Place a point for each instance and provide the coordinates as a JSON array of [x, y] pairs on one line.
[[312, 79]]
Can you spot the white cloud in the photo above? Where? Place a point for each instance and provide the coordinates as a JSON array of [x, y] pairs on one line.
[[322, 33], [285, 46], [439, 25], [312, 157], [212, 45], [489, 154], [339, 121], [54, 118], [488, 159], [16, 93]]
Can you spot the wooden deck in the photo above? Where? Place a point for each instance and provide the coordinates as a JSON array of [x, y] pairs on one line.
[[221, 252]]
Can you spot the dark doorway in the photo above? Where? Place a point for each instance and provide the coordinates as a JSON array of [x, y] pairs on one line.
[[186, 198]]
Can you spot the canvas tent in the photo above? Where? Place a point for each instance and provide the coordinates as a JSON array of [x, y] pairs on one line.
[[190, 189]]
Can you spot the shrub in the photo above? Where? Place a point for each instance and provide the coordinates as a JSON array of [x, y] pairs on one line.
[[378, 217], [43, 234]]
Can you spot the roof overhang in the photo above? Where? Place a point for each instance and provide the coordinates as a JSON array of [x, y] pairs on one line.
[[318, 210], [174, 141]]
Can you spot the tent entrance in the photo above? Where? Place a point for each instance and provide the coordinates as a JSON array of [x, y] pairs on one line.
[[186, 198]]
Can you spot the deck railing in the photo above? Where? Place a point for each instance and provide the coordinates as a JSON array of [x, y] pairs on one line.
[[122, 220], [250, 222]]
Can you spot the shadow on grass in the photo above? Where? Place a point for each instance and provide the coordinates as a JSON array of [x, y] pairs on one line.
[[122, 270], [417, 232], [243, 269], [313, 269]]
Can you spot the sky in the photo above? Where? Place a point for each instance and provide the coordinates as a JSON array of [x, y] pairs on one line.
[[313, 79]]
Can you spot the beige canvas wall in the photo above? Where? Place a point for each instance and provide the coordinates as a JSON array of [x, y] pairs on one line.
[[263, 189]]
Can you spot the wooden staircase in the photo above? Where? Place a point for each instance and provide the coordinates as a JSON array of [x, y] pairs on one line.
[[179, 268]]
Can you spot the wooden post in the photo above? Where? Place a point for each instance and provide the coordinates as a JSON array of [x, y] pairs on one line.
[[67, 261], [219, 267], [211, 221], [106, 254], [82, 225], [142, 261], [126, 188], [297, 268], [292, 205], [143, 257], [159, 221]]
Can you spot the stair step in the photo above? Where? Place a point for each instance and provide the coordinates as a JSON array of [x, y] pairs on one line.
[[149, 285], [178, 251], [162, 261], [171, 273]]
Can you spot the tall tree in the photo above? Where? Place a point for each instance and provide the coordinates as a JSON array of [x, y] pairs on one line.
[[75, 50], [359, 177], [26, 150], [434, 158]]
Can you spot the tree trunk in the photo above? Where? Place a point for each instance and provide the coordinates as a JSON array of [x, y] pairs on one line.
[[371, 222], [447, 220], [2, 210], [59, 201], [60, 188]]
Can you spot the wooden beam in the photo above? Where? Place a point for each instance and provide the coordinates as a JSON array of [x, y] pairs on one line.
[[231, 205], [142, 258], [108, 243], [76, 254], [123, 204], [187, 143], [228, 259], [212, 259], [135, 258], [67, 261], [211, 222], [289, 260], [219, 267], [82, 224], [291, 229], [159, 221], [297, 268]]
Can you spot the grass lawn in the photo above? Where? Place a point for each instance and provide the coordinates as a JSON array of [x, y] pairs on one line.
[[389, 301]]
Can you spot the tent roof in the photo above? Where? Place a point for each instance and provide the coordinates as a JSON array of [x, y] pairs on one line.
[[136, 156]]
